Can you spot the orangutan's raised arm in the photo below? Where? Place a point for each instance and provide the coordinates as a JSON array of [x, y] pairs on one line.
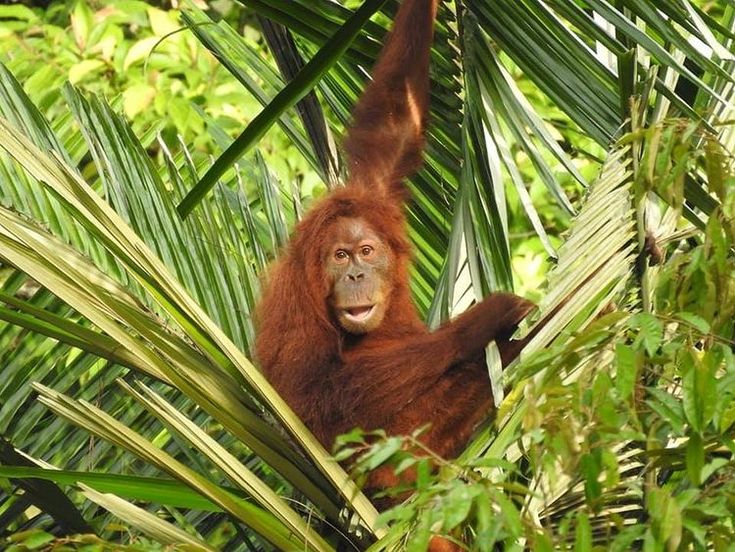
[[385, 140]]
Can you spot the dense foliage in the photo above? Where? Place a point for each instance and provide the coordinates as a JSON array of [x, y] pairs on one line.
[[128, 405], [636, 412], [162, 79]]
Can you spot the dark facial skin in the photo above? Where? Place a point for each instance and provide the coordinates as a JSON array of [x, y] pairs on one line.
[[358, 263]]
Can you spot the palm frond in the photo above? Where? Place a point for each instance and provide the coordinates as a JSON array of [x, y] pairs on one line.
[[118, 310], [129, 291], [301, 85]]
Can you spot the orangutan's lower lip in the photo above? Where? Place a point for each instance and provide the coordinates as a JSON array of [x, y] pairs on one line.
[[359, 314]]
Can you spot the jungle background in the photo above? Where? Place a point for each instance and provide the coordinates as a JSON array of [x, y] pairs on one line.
[[580, 153]]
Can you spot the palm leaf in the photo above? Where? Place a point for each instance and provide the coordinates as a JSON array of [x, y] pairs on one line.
[[162, 531], [459, 221], [301, 85], [127, 310]]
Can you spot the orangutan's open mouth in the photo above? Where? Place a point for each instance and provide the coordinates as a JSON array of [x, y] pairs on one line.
[[359, 314]]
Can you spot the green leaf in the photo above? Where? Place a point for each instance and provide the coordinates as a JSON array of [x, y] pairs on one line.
[[695, 458], [162, 22], [457, 504], [713, 467], [17, 11], [382, 453], [696, 321], [666, 514], [36, 539], [139, 51], [590, 468], [147, 489], [421, 536], [344, 453], [727, 418], [698, 387], [714, 165], [511, 516], [623, 541], [78, 71], [82, 21], [697, 530], [650, 331], [667, 407], [486, 522], [582, 533], [423, 474], [628, 363], [137, 98], [299, 86], [157, 528], [542, 542]]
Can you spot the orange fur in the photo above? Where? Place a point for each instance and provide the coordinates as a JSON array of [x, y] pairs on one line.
[[400, 376]]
